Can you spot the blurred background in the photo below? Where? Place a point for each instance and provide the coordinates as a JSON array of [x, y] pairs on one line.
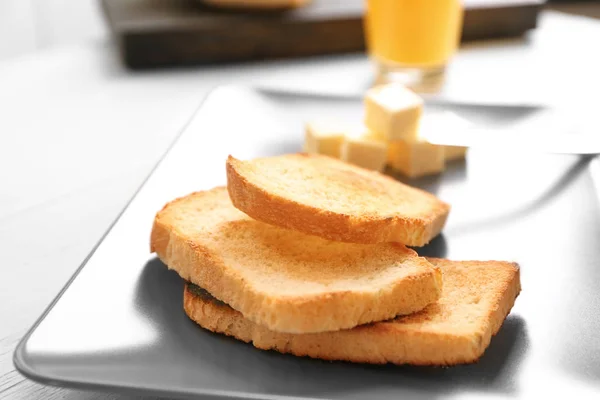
[[37, 25]]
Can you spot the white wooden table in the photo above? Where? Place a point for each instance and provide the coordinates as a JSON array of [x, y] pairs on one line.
[[78, 134]]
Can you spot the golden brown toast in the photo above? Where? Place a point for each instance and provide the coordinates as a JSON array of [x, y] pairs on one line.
[[286, 280], [325, 197], [457, 329]]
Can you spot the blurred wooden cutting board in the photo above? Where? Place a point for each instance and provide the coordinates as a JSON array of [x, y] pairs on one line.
[[161, 33]]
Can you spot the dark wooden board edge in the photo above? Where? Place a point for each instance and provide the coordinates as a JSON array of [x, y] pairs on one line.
[[175, 47], [512, 21], [190, 45]]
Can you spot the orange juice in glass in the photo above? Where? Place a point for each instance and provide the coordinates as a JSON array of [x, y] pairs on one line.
[[412, 40]]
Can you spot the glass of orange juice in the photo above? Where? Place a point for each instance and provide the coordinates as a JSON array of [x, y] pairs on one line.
[[412, 40]]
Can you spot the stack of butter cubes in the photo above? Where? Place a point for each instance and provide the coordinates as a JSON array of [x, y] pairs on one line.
[[391, 135]]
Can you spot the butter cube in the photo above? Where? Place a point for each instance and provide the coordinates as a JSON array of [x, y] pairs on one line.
[[365, 149], [393, 111], [324, 138], [416, 159], [452, 153]]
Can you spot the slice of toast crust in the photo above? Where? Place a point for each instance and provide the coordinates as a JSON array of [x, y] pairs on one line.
[[457, 330], [411, 227], [286, 280]]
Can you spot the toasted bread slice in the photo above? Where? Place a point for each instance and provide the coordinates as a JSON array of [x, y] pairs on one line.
[[457, 329], [325, 197], [286, 280]]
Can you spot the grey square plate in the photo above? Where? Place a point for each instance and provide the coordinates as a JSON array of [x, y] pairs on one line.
[[119, 324]]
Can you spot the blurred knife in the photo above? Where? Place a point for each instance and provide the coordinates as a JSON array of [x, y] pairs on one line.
[[515, 140], [546, 135]]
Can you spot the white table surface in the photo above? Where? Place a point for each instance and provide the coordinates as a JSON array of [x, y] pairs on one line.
[[79, 133]]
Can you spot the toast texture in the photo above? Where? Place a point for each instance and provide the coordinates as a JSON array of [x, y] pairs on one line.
[[322, 196], [456, 330], [285, 280]]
